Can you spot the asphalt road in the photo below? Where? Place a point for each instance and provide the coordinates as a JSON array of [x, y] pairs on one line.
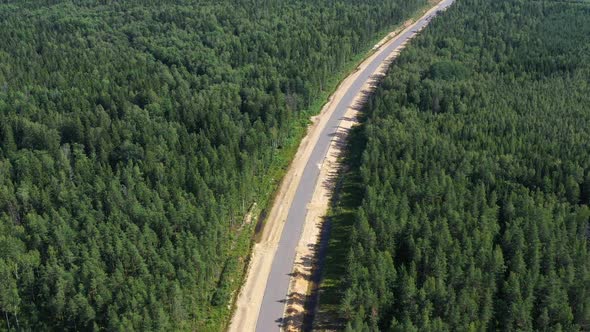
[[277, 286]]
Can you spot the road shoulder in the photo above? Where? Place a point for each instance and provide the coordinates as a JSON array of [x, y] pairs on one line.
[[248, 303]]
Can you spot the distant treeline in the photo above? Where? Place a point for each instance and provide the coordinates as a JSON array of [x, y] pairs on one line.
[[476, 177], [135, 134]]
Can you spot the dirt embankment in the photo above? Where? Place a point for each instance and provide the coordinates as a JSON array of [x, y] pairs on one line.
[[250, 298], [307, 249]]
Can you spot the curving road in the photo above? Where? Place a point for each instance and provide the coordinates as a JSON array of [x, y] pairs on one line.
[[277, 286]]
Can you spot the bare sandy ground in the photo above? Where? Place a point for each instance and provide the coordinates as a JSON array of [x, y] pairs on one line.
[[318, 208], [250, 298]]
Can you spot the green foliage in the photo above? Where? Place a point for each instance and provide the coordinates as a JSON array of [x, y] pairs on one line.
[[135, 134], [475, 211], [447, 70]]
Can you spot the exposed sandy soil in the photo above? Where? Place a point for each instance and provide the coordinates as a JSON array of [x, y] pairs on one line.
[[250, 297], [318, 208], [308, 245]]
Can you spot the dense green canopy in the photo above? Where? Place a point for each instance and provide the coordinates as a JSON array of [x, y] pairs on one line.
[[476, 177], [135, 134]]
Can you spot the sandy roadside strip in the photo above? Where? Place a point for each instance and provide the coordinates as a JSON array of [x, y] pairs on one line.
[[250, 298], [318, 208]]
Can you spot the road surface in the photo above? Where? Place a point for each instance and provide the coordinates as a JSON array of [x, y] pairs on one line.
[[272, 308]]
